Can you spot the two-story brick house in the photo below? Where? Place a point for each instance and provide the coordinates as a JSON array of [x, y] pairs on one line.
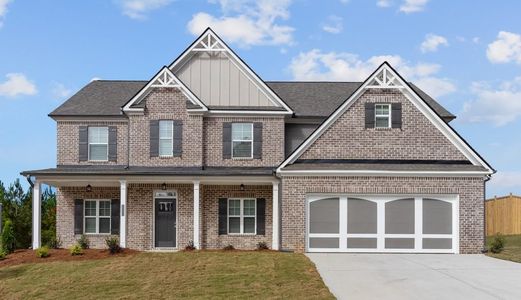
[[207, 152]]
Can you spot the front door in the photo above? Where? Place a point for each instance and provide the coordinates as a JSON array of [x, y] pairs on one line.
[[165, 223]]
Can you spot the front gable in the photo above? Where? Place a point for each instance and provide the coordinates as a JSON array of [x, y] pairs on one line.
[[420, 137]]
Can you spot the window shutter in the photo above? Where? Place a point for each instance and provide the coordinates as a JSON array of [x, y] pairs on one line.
[[113, 143], [257, 140], [154, 138], [369, 115], [78, 216], [261, 216], [178, 137], [396, 115], [114, 216], [223, 216], [227, 140], [84, 143]]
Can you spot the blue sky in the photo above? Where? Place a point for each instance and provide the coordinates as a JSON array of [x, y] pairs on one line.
[[465, 53]]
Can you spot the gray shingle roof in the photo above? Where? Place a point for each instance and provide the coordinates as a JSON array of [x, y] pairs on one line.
[[309, 99]]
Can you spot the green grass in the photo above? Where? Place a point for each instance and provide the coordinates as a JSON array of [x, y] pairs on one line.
[[202, 275], [512, 250]]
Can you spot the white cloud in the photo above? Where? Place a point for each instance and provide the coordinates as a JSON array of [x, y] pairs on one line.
[[17, 84], [496, 105], [475, 40], [59, 91], [247, 22], [383, 3], [138, 9], [506, 179], [411, 6], [432, 42], [334, 24], [343, 66], [506, 48], [3, 10], [344, 1]]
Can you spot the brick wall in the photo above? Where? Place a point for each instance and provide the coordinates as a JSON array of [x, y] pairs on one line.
[[469, 189], [272, 142], [68, 144], [210, 237], [348, 138], [169, 104]]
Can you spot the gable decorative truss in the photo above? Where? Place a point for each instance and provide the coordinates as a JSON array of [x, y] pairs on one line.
[[210, 42], [386, 77], [164, 79]]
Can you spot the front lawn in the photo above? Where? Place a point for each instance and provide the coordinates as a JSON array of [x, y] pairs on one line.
[[512, 249], [206, 274]]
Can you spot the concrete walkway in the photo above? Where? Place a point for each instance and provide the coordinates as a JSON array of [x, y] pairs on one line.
[[418, 276]]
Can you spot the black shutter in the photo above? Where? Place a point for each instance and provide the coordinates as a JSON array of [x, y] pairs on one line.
[[84, 143], [154, 138], [257, 140], [396, 115], [261, 216], [369, 115], [113, 143], [114, 216], [178, 137], [227, 140], [78, 216], [223, 216]]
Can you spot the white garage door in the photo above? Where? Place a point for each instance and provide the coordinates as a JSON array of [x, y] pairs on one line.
[[382, 223]]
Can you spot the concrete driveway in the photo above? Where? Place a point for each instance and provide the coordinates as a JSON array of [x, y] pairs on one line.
[[418, 276]]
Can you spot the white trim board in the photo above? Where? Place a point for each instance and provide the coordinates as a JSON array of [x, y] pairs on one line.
[[413, 97], [219, 45], [164, 78]]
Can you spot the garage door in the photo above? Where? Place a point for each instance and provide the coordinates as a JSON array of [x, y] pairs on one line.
[[382, 223]]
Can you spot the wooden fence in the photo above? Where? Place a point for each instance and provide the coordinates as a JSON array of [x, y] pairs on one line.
[[503, 215]]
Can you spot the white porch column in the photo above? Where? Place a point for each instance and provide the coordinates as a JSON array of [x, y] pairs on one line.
[[37, 215], [196, 215], [123, 213], [276, 229]]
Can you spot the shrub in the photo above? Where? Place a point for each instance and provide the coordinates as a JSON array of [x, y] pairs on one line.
[[3, 254], [76, 250], [229, 248], [7, 238], [190, 246], [112, 243], [54, 243], [497, 244], [84, 242], [42, 252], [262, 246]]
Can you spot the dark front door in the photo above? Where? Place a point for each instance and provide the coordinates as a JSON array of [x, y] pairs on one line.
[[165, 222]]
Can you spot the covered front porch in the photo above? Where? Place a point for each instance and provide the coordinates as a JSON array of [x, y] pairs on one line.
[[163, 212]]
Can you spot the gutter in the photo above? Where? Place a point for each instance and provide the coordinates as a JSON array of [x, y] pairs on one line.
[[31, 183]]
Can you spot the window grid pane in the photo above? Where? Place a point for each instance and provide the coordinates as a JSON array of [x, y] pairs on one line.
[[249, 207], [90, 208], [104, 208], [98, 135], [166, 147], [242, 149], [234, 208], [242, 131], [166, 129], [382, 121]]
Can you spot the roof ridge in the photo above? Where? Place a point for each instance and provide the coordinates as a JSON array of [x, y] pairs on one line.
[[120, 80], [311, 81]]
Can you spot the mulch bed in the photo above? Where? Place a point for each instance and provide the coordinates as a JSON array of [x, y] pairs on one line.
[[26, 256]]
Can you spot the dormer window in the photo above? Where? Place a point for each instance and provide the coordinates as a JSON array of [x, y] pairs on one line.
[[382, 116]]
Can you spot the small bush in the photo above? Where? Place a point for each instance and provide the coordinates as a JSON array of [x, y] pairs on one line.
[[112, 243], [229, 248], [84, 242], [54, 243], [76, 250], [3, 254], [497, 244], [262, 246], [190, 246], [7, 238], [42, 252]]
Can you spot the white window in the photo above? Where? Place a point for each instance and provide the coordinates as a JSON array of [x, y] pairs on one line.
[[242, 140], [98, 143], [382, 115], [166, 138], [242, 216], [97, 216]]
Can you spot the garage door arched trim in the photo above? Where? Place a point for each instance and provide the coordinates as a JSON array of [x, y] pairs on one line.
[[407, 232]]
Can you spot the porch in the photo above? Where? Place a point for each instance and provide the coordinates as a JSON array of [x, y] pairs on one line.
[[164, 213]]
